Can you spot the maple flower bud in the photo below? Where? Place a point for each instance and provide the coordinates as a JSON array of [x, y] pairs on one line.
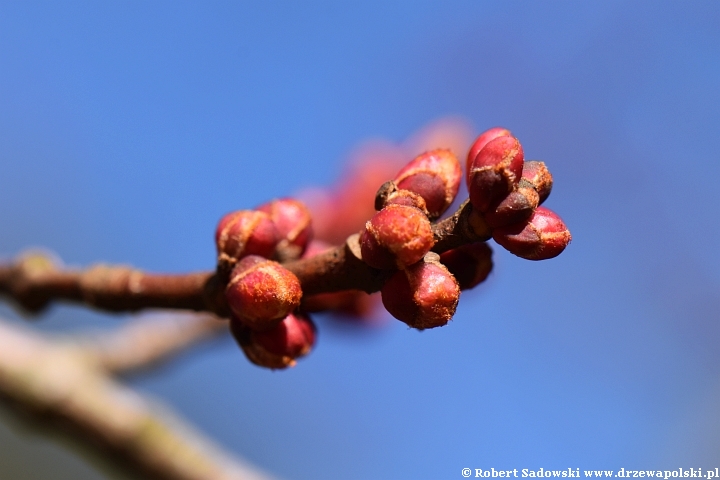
[[407, 198], [279, 346], [294, 225], [539, 176], [470, 264], [494, 172], [242, 233], [261, 292], [517, 207], [544, 236], [396, 236], [435, 176], [424, 295], [481, 141]]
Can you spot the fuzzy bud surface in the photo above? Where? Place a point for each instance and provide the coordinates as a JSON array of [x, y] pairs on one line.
[[245, 232], [261, 292], [293, 222], [396, 236], [424, 295], [435, 176]]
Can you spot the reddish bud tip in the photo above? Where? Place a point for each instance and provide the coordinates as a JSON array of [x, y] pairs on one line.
[[470, 264], [539, 177], [425, 295], [261, 292], [396, 236], [242, 233], [481, 141], [279, 346], [517, 207], [494, 172], [544, 236], [407, 198], [294, 225], [435, 176]]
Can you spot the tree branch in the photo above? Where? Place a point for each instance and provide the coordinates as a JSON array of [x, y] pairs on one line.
[[34, 280], [61, 385], [144, 342]]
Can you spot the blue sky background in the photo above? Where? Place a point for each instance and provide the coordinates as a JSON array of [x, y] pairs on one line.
[[128, 128]]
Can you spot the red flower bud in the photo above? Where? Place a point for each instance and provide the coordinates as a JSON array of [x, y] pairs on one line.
[[261, 292], [279, 346], [539, 176], [396, 236], [544, 236], [435, 176], [424, 295], [481, 141], [494, 172], [517, 207], [242, 233], [407, 198], [294, 224], [470, 264]]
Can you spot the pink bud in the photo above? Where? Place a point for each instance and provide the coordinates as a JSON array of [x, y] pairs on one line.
[[242, 233], [517, 207], [481, 141], [293, 222], [277, 347], [435, 176], [396, 236], [424, 295], [539, 177], [261, 292], [470, 264], [407, 198], [544, 236], [494, 172]]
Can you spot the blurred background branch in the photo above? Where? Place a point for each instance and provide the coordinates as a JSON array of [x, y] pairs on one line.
[[66, 383]]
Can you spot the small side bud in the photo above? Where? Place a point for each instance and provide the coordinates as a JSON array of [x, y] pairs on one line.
[[435, 176], [517, 207], [494, 172], [262, 292], [481, 141], [396, 236], [407, 198], [539, 177], [544, 236], [242, 233], [277, 347], [470, 264], [293, 222], [424, 295]]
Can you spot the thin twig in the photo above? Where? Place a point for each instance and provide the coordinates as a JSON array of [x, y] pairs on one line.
[[34, 280]]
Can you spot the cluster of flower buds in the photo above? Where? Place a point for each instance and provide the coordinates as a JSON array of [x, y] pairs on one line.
[[263, 296], [419, 263], [422, 293], [506, 191]]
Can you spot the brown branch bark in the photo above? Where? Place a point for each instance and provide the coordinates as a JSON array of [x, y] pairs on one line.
[[34, 281], [60, 385]]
